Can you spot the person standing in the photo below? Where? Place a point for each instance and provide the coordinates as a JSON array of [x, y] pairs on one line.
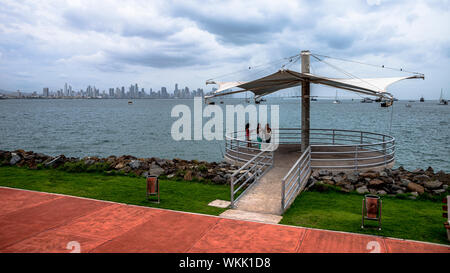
[[247, 134], [267, 133]]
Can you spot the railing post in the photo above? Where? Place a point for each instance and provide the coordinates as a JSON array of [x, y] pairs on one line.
[[356, 157], [333, 136], [384, 151], [361, 139], [282, 194], [232, 192]]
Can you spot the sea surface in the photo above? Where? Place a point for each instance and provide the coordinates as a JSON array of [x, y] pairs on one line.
[[103, 127]]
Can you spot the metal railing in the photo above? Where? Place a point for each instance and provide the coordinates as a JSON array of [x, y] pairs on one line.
[[296, 179], [330, 148], [246, 176]]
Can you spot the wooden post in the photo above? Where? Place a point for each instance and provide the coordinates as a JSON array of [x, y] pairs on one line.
[[305, 101]]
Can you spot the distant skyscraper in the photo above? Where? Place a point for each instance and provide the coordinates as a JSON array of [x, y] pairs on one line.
[[45, 91]]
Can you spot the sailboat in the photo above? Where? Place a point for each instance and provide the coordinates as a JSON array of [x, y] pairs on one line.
[[442, 101], [336, 101]]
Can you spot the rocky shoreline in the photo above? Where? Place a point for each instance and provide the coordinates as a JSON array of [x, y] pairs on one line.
[[387, 182], [215, 172]]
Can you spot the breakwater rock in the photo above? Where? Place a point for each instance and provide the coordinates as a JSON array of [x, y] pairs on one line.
[[216, 172], [386, 182]]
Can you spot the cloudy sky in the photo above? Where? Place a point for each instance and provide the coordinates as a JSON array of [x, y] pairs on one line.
[[158, 43]]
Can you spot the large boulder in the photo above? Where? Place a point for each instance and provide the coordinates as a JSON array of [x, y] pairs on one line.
[[134, 164], [156, 170], [432, 185], [375, 183], [362, 190], [15, 158], [415, 188]]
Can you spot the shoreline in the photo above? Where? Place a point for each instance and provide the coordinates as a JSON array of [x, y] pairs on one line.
[[391, 182]]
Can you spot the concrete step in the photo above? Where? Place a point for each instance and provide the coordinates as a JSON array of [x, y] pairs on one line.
[[251, 216]]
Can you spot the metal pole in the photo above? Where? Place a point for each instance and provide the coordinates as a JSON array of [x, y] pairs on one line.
[[305, 55], [232, 192]]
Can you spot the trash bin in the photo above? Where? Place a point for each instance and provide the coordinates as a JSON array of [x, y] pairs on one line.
[[152, 187]]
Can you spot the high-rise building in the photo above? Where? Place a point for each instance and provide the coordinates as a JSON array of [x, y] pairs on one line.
[[45, 91]]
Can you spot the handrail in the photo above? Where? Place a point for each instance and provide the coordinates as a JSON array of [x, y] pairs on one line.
[[365, 149], [253, 169], [295, 179]]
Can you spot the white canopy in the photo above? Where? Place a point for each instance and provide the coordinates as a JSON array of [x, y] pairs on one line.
[[283, 79]]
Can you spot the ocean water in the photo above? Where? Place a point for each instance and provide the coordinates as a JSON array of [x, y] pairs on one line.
[[113, 127]]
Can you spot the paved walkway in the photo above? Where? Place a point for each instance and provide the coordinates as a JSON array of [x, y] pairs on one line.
[[42, 222]]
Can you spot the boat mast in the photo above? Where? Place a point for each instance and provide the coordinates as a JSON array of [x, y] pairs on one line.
[[305, 55]]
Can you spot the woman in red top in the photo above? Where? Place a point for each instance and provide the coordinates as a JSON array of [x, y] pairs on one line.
[[247, 134]]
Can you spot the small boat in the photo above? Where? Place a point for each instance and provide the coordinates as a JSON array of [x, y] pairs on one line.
[[130, 102], [442, 101], [422, 99], [336, 101], [366, 100], [386, 103], [259, 101], [313, 98]]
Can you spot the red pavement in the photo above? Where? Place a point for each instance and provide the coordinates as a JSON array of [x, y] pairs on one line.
[[43, 222]]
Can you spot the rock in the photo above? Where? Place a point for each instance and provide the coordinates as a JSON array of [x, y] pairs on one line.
[[324, 173], [119, 166], [405, 182], [338, 179], [349, 187], [14, 159], [171, 175], [445, 187], [219, 180], [376, 182], [429, 170], [399, 192], [362, 190], [440, 191], [384, 174], [414, 193], [381, 192], [156, 170], [352, 177], [188, 176], [135, 164], [89, 161], [421, 178], [432, 185], [369, 174], [415, 188], [418, 171]]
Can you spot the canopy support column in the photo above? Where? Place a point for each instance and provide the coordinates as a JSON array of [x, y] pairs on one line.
[[305, 100]]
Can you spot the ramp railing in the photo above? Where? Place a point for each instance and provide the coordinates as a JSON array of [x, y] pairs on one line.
[[296, 179], [246, 176]]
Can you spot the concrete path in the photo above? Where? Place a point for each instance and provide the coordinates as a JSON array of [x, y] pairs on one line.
[[43, 222], [265, 196]]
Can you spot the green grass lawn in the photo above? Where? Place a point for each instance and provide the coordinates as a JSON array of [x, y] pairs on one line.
[[408, 219], [176, 195]]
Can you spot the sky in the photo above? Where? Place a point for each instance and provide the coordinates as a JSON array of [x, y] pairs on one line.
[[160, 43]]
